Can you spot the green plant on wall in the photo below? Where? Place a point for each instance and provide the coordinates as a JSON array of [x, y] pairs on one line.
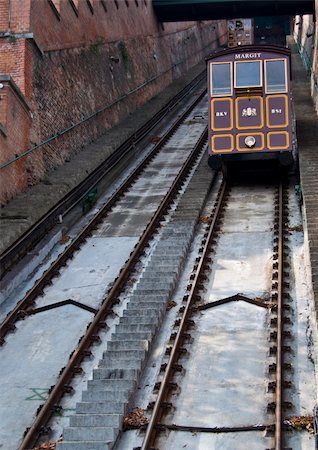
[[95, 47], [124, 54], [12, 39]]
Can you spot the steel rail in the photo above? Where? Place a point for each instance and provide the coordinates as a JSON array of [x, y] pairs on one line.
[[150, 435], [20, 310], [279, 355], [75, 360], [77, 194]]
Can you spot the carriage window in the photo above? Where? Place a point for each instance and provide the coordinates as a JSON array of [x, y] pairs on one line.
[[275, 75], [221, 79], [248, 74]]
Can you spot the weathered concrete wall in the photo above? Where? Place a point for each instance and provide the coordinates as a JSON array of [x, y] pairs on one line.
[[72, 58], [306, 36]]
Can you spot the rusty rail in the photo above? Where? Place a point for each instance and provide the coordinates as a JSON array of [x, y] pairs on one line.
[[78, 355], [279, 390], [20, 311], [282, 334], [150, 434], [278, 306]]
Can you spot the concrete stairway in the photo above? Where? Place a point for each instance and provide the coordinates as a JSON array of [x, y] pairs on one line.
[[108, 397]]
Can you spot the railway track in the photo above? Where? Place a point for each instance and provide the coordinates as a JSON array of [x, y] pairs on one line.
[[182, 392], [21, 309], [31, 305], [32, 236], [125, 320]]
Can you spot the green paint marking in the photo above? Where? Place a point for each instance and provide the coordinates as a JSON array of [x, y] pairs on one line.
[[38, 394], [63, 411]]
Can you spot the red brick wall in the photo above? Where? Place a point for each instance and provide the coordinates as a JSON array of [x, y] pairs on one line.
[[15, 121], [82, 59], [15, 15]]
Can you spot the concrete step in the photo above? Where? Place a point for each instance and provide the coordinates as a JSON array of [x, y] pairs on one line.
[[103, 434], [133, 320], [171, 231], [170, 250], [132, 311], [106, 396], [147, 305], [159, 261], [116, 374], [150, 291], [100, 407], [124, 355], [84, 445], [135, 328], [157, 271], [96, 420], [119, 384], [132, 336], [166, 284], [127, 345], [155, 297], [156, 279], [163, 268], [112, 364]]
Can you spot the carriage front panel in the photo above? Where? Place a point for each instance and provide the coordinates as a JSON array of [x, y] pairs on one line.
[[261, 113], [221, 114], [277, 111], [249, 113]]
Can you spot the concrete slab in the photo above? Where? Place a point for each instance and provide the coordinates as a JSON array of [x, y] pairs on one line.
[[209, 441], [28, 369]]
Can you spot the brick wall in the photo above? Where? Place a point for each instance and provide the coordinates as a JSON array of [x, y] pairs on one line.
[[71, 58], [15, 121]]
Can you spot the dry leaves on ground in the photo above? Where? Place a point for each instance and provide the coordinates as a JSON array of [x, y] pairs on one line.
[[155, 139], [135, 419], [170, 304], [204, 219], [65, 238], [301, 423], [47, 445]]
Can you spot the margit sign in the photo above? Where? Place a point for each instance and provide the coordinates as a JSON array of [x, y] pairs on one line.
[[247, 55]]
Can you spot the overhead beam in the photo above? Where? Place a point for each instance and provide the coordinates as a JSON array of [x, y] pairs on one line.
[[188, 10]]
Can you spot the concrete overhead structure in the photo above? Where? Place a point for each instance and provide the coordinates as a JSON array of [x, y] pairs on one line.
[[180, 10]]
